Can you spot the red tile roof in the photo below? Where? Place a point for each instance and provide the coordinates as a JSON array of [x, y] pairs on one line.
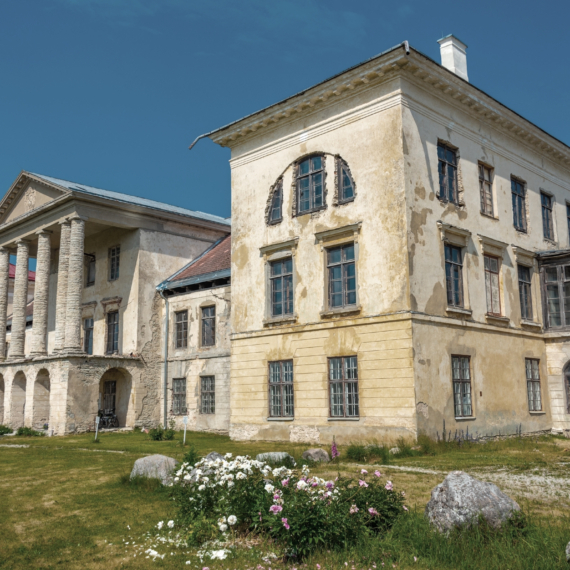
[[12, 273], [216, 259]]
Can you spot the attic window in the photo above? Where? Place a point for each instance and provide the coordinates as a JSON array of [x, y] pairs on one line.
[[276, 209], [345, 186], [310, 173]]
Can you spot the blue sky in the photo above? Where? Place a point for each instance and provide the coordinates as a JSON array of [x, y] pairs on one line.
[[111, 92]]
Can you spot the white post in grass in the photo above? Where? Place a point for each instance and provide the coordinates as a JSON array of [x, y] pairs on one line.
[[96, 426], [185, 420]]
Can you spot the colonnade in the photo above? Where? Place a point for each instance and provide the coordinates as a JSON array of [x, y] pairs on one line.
[[69, 292]]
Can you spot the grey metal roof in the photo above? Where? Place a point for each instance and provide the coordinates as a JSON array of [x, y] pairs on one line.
[[127, 198]]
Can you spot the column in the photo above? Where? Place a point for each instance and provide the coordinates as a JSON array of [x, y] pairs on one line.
[[74, 286], [61, 298], [20, 300], [41, 294], [4, 280]]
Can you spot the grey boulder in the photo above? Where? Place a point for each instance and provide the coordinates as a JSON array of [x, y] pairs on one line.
[[461, 499], [316, 454], [155, 467], [274, 457], [213, 456]]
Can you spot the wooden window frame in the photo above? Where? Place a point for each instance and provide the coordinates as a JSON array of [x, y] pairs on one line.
[[519, 196], [489, 271], [449, 265], [181, 329], [285, 279], [344, 265], [344, 381], [311, 176], [112, 340], [91, 263], [486, 190], [525, 287], [547, 209], [447, 192], [179, 407], [342, 170], [276, 209], [566, 380], [208, 395], [205, 319], [88, 335], [278, 388], [562, 284], [462, 382], [532, 382], [114, 262]]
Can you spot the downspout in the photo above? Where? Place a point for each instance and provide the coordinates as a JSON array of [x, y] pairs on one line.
[[165, 356]]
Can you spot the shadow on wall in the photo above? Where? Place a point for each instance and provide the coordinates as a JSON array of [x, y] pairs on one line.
[[115, 393], [42, 388], [18, 401]]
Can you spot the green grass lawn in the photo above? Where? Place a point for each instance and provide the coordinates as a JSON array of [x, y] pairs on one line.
[[66, 502]]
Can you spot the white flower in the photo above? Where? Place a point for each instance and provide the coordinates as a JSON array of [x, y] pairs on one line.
[[223, 527], [269, 488], [240, 475], [221, 520], [301, 485], [170, 524], [232, 519], [160, 525], [176, 479], [201, 487], [187, 477], [230, 484]]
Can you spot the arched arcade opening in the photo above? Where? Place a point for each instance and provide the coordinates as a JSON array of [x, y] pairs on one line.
[[18, 400], [42, 388], [115, 394]]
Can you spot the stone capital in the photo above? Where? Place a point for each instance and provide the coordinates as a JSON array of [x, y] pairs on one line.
[[77, 217], [44, 232]]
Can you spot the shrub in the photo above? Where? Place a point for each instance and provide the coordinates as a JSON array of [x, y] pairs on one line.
[[300, 512], [356, 452], [29, 432], [405, 449], [5, 429], [157, 433], [168, 434], [191, 456], [381, 452]]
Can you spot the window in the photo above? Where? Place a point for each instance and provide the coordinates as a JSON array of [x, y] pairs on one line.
[[518, 193], [447, 166], [557, 290], [567, 389], [342, 276], [568, 219], [282, 287], [90, 274], [345, 183], [533, 384], [310, 184], [179, 396], [461, 386], [208, 394], [276, 214], [114, 254], [209, 326], [281, 404], [547, 223], [525, 292], [492, 285], [113, 332], [343, 387], [454, 275], [88, 335], [485, 186], [181, 329]]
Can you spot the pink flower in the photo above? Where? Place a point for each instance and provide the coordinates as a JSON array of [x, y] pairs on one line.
[[334, 450], [353, 509], [276, 497], [363, 472], [415, 559], [405, 508], [275, 509], [285, 524], [373, 512], [362, 483], [318, 567], [285, 482], [377, 473], [329, 484], [389, 486]]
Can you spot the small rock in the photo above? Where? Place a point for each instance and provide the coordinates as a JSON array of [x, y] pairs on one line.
[[316, 454], [155, 467], [274, 457], [213, 456], [394, 450], [568, 552], [461, 499]]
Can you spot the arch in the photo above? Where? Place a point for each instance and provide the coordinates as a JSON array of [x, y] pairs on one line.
[[42, 388], [115, 389], [2, 392], [18, 400], [566, 381]]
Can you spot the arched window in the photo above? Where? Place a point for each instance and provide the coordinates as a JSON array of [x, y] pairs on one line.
[[274, 208], [310, 174], [567, 387], [345, 183]]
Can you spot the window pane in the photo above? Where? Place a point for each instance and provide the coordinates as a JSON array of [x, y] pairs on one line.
[[275, 400], [351, 397], [457, 398], [347, 190], [288, 404], [275, 372], [335, 368], [553, 305], [316, 163], [337, 408], [276, 268], [466, 398], [288, 263], [334, 255], [551, 274], [304, 167]]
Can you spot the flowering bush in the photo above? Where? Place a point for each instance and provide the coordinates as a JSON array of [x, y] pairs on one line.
[[300, 511]]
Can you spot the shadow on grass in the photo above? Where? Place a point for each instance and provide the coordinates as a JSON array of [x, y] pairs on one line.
[[144, 484]]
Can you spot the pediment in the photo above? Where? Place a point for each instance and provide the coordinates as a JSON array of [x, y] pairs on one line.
[[27, 194]]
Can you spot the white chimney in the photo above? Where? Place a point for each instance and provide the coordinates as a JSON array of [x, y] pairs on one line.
[[453, 55]]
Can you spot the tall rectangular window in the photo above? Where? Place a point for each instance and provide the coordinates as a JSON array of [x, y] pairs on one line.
[[461, 386], [492, 285], [310, 184], [518, 194], [343, 387], [342, 276], [179, 396], [114, 256], [533, 384], [90, 273], [525, 292], [557, 291], [181, 329], [447, 166], [547, 219], [454, 275], [112, 332], [281, 402], [88, 335], [209, 326], [568, 219], [275, 214], [208, 394], [281, 287], [486, 189]]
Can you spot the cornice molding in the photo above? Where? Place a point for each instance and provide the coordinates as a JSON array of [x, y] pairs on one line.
[[453, 234]]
